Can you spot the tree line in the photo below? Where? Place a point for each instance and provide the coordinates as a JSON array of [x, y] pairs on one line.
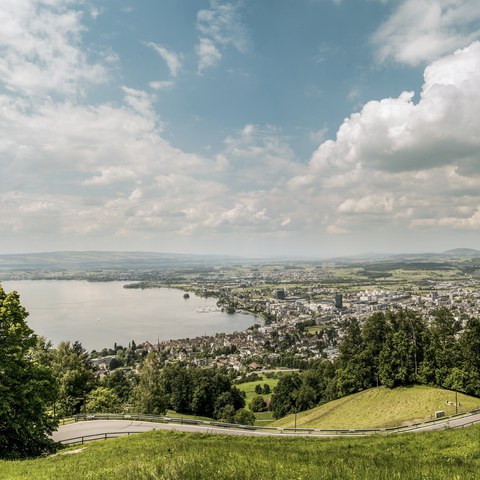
[[393, 349]]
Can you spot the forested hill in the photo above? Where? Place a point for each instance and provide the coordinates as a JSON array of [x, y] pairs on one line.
[[112, 260]]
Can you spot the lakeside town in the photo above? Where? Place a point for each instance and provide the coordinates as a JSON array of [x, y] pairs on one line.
[[302, 311]]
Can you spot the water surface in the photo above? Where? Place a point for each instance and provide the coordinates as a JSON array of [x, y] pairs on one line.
[[98, 314]]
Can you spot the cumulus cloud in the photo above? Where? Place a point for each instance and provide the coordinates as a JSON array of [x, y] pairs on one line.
[[421, 159], [419, 31], [40, 51]]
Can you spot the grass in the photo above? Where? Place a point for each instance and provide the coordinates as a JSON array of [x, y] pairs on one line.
[[262, 418], [381, 407], [249, 388], [451, 454]]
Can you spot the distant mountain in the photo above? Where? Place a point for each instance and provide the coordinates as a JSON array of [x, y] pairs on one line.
[[108, 260], [463, 252]]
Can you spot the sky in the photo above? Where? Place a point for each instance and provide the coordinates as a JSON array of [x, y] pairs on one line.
[[300, 128]]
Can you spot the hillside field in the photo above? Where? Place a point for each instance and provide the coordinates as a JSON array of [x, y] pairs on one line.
[[381, 407]]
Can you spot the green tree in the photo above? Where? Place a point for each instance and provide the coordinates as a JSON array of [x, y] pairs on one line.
[[226, 414], [404, 351], [149, 394], [103, 400], [266, 389], [258, 404], [244, 417], [27, 388], [121, 382], [258, 389], [374, 334], [355, 369], [76, 376], [284, 395]]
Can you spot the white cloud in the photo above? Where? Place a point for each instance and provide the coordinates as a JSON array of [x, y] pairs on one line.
[[319, 135], [162, 85], [259, 157], [172, 59], [222, 23], [421, 159], [208, 54], [140, 101], [220, 26], [40, 48], [423, 30]]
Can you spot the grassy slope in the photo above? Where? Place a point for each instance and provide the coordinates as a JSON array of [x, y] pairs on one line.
[[451, 454], [249, 388], [263, 418], [381, 407]]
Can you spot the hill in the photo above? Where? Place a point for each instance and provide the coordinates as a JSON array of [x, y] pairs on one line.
[[463, 252], [381, 407], [166, 455], [112, 260]]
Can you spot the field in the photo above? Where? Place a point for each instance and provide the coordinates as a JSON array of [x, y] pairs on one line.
[[263, 418], [381, 407], [450, 454]]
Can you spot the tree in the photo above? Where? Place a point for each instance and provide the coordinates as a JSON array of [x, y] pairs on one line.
[[374, 333], [76, 376], [266, 389], [226, 414], [355, 369], [244, 417], [27, 388], [258, 389], [149, 395], [121, 382], [103, 400], [258, 404], [284, 395]]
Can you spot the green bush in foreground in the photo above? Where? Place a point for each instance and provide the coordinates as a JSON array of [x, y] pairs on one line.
[[452, 454]]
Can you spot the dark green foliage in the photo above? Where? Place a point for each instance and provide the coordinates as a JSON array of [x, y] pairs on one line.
[[285, 394], [258, 404], [121, 382], [244, 417], [355, 366], [103, 400], [27, 388], [202, 392], [76, 376], [149, 395]]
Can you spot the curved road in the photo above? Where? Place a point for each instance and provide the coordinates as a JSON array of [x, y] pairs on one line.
[[102, 427]]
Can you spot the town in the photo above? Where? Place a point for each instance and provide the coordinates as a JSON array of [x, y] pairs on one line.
[[302, 311]]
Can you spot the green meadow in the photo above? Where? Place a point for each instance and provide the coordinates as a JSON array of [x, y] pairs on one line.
[[382, 407], [450, 454]]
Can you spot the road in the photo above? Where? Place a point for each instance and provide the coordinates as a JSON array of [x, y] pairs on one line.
[[94, 427], [459, 422], [101, 427]]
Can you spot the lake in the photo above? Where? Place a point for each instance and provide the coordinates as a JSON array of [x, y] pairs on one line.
[[98, 314]]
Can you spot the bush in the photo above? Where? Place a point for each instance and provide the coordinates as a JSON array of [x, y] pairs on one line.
[[258, 404]]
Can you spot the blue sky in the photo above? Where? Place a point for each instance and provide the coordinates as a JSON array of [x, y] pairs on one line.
[[249, 127]]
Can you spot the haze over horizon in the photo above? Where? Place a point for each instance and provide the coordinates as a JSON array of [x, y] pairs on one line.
[[253, 128]]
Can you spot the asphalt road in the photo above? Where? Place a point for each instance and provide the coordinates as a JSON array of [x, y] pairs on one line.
[[101, 427]]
